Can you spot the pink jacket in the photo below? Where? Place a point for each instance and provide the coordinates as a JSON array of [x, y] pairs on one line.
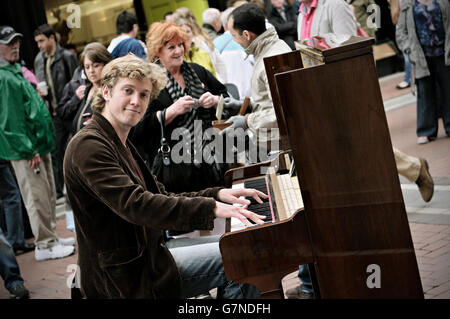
[[29, 76]]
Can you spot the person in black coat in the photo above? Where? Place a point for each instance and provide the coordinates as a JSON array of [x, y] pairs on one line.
[[284, 19], [78, 93]]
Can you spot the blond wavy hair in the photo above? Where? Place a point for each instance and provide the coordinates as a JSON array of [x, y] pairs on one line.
[[184, 13], [131, 67]]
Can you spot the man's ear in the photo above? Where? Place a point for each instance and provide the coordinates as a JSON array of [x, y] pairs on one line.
[[250, 36], [106, 93], [247, 35]]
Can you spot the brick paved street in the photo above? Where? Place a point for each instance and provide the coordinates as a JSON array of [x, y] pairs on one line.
[[46, 279], [429, 222], [432, 246]]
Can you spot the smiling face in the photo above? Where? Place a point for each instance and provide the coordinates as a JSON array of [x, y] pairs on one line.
[[172, 54], [93, 70], [10, 52], [126, 103]]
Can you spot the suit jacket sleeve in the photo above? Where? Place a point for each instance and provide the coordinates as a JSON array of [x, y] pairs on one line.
[[72, 61], [265, 116], [401, 32], [39, 67], [69, 103]]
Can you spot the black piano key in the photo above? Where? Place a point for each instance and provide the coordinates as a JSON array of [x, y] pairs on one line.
[[259, 184], [260, 209]]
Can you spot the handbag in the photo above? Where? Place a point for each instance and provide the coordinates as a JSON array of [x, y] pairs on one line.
[[174, 176], [183, 177]]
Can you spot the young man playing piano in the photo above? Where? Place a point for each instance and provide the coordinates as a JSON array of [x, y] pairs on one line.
[[121, 210]]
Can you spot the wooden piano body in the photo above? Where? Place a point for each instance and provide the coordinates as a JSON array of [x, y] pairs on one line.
[[353, 231]]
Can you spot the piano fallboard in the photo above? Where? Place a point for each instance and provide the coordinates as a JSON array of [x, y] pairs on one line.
[[263, 254]]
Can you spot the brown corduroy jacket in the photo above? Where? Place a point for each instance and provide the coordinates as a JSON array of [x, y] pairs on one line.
[[120, 219]]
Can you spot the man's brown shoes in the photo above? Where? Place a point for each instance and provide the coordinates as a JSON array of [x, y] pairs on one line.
[[425, 181]]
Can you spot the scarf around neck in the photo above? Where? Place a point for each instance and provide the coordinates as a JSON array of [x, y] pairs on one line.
[[194, 88]]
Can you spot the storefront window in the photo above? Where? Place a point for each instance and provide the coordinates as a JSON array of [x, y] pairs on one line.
[[81, 22]]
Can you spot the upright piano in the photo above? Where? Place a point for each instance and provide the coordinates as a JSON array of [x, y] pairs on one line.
[[348, 221]]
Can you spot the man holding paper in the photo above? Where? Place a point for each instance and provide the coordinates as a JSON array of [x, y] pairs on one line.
[[247, 25]]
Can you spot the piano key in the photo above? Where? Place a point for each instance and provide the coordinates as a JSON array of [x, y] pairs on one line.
[[265, 208], [289, 193]]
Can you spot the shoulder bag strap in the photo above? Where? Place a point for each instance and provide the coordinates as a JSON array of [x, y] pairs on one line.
[[165, 148]]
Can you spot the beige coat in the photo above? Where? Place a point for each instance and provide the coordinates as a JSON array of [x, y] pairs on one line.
[[263, 114]]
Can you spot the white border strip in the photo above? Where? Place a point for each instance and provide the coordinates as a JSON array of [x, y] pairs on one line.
[[399, 102], [445, 188]]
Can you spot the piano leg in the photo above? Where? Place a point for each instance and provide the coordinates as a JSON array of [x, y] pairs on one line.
[[314, 281]]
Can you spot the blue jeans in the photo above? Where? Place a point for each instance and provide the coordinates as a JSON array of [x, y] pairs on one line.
[[303, 275], [407, 77], [12, 204], [200, 265], [433, 97], [9, 269]]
